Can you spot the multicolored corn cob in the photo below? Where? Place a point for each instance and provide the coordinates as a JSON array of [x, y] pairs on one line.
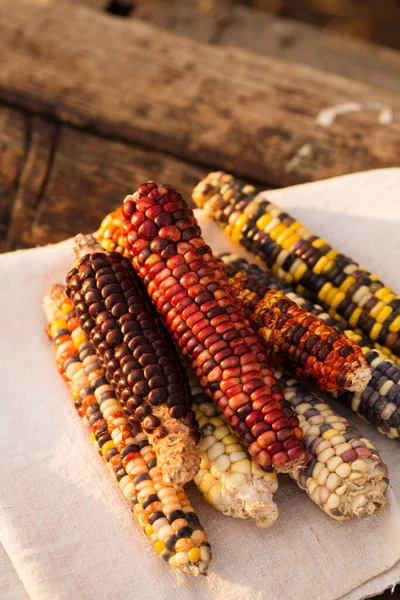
[[343, 473], [290, 336], [379, 403], [299, 340], [301, 258], [384, 388], [192, 295], [138, 357], [163, 512], [228, 479]]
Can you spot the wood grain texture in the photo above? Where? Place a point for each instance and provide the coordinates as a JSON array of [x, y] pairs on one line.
[[58, 181], [13, 142], [221, 107], [268, 35], [291, 40], [184, 17]]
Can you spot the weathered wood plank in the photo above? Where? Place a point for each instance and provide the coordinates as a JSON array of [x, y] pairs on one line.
[[184, 17], [62, 181], [219, 106], [272, 36], [13, 128], [33, 180], [268, 35], [90, 176]]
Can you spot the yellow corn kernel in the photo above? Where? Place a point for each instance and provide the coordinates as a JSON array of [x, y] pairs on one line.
[[347, 283], [374, 312], [206, 483], [319, 243], [79, 340], [329, 434], [324, 291], [331, 295], [389, 297], [355, 316], [263, 221], [384, 314], [66, 307], [382, 292], [375, 331], [284, 236], [242, 466], [148, 530], [395, 325], [319, 265], [159, 546], [290, 241], [277, 231], [194, 555], [300, 271], [107, 447], [57, 325], [331, 254], [340, 296], [237, 228]]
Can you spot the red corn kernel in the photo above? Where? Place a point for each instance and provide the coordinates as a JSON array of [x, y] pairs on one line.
[[253, 418], [281, 458], [281, 423], [272, 416], [264, 459], [238, 400], [266, 439]]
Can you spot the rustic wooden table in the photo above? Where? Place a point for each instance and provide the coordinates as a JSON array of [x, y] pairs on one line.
[[96, 97]]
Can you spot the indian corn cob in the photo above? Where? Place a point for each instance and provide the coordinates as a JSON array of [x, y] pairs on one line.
[[193, 297], [163, 512], [343, 473], [379, 403], [363, 483], [311, 346], [301, 258], [228, 479], [298, 339], [137, 355]]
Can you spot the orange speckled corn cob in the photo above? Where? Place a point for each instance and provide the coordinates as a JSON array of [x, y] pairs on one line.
[[298, 339], [163, 512], [301, 258], [209, 328], [138, 357], [379, 403]]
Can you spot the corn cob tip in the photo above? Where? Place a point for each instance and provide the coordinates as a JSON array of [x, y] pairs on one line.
[[359, 380], [178, 455], [85, 244], [228, 479], [342, 472], [52, 310]]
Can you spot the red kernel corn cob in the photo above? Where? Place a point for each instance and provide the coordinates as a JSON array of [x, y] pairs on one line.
[[137, 355], [343, 473], [301, 258], [329, 357], [207, 325], [298, 339], [163, 512]]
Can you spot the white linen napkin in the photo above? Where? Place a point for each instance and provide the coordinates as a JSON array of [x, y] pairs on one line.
[[67, 533]]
